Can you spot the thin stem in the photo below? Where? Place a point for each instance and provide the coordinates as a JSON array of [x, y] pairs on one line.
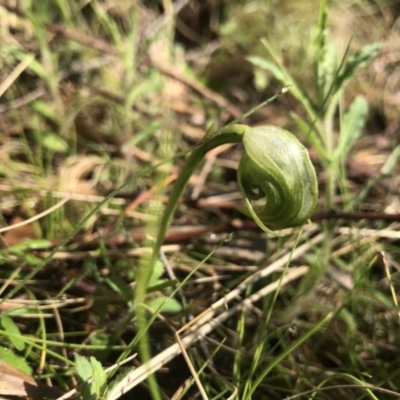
[[231, 134]]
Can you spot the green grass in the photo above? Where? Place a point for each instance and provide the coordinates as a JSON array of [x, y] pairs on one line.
[[91, 120]]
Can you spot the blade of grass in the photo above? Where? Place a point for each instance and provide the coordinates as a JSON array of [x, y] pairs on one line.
[[286, 353]]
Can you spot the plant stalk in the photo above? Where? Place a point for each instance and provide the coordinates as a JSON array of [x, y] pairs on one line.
[[231, 134]]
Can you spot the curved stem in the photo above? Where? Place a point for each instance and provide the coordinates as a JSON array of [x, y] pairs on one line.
[[233, 134]]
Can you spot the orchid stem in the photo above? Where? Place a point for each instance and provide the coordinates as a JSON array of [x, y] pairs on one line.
[[232, 134]]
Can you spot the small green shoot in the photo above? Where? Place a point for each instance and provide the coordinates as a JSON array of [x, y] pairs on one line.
[[12, 329], [93, 377]]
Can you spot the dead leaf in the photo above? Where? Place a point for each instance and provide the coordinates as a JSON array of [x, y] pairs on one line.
[[17, 235], [14, 382]]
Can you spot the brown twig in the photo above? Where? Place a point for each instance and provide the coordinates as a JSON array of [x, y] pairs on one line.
[[354, 216], [84, 39]]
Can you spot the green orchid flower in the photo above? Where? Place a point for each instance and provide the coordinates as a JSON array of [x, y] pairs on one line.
[[277, 167]]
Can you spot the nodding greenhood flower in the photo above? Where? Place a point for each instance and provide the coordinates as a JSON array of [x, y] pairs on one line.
[[277, 166]]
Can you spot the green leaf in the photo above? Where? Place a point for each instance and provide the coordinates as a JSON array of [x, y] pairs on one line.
[[36, 244], [45, 110], [359, 59], [327, 70], [99, 377], [84, 370], [100, 338], [349, 319], [9, 357], [11, 327], [162, 284], [167, 305], [120, 286], [391, 162], [83, 367], [261, 80], [352, 125], [34, 65], [157, 272], [269, 66], [54, 142], [321, 51], [32, 260], [20, 311], [91, 369], [322, 27]]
